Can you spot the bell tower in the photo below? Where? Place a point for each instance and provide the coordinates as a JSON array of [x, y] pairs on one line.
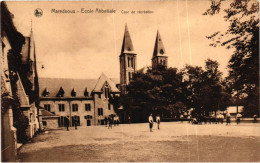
[[127, 61], [159, 60]]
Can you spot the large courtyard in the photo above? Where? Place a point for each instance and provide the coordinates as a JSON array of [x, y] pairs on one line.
[[174, 142]]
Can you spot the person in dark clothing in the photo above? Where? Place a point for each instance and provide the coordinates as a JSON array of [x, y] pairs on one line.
[[109, 123], [105, 119], [76, 124], [67, 123]]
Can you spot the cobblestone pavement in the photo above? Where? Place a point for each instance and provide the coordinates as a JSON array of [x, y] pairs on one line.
[[174, 141]]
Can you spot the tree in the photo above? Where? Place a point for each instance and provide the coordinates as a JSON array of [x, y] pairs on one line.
[[204, 89], [243, 36]]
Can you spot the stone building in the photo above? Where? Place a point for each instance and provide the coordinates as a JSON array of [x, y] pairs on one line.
[[128, 59], [28, 86], [85, 101], [19, 87], [159, 54]]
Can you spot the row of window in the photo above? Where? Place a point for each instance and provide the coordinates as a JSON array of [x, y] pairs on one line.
[[75, 108]]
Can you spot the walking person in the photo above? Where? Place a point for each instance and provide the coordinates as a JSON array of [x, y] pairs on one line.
[[150, 119], [228, 118], [158, 121]]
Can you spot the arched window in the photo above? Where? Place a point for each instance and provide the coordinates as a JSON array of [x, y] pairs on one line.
[[128, 61], [107, 92]]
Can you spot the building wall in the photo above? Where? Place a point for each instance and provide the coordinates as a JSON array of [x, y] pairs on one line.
[[31, 114], [102, 103], [125, 69], [8, 137], [51, 123], [54, 107], [94, 105]]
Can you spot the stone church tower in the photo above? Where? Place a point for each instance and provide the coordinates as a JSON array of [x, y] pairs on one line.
[[127, 61], [159, 55]]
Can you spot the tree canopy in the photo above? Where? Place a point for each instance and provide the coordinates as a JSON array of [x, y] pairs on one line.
[[243, 36]]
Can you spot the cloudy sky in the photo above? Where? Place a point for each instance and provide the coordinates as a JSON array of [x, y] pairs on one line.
[[83, 45]]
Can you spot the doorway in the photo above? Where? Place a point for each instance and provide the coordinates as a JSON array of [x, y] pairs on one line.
[[88, 123]]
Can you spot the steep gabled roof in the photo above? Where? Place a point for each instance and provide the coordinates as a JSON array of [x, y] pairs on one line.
[[143, 70], [158, 47], [53, 85], [22, 97], [102, 80], [127, 46]]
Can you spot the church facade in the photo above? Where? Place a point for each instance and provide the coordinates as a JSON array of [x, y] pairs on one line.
[[128, 59]]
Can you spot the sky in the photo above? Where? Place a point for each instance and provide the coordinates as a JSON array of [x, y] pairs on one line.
[[83, 45]]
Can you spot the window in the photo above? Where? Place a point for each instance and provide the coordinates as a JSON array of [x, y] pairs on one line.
[[161, 51], [87, 107], [109, 107], [132, 62], [99, 95], [74, 107], [100, 111], [61, 92], [61, 107], [73, 93], [106, 92], [128, 59], [86, 92], [47, 107]]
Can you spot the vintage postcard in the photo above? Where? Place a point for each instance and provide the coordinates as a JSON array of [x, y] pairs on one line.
[[130, 81]]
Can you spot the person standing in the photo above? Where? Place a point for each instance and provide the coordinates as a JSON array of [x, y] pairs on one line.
[[238, 116], [76, 124], [158, 121], [129, 119], [181, 118], [105, 119], [150, 119], [228, 118], [109, 122], [67, 121], [255, 118]]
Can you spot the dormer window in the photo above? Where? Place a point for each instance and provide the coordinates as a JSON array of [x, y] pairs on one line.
[[61, 92], [107, 92], [129, 49], [73, 93], [86, 92], [45, 93]]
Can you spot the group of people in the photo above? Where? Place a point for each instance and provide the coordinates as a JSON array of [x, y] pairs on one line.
[[109, 121], [150, 120]]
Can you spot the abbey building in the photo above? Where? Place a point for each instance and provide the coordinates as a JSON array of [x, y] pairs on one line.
[[88, 101]]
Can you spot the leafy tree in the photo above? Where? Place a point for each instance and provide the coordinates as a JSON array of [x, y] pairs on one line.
[[243, 36], [204, 89]]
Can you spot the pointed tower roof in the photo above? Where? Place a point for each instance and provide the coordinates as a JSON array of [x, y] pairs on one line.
[[127, 46], [158, 47], [102, 80]]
